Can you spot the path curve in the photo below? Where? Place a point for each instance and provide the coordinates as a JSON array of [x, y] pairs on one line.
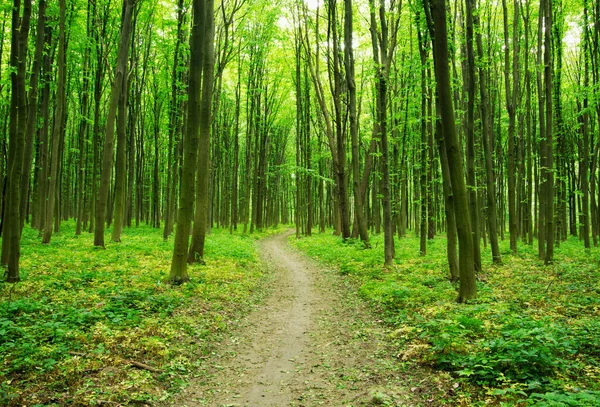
[[310, 343]]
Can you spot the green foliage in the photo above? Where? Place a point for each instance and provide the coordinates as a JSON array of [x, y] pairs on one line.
[[566, 399], [530, 338], [80, 313], [523, 350]]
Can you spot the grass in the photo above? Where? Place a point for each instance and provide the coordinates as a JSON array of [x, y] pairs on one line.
[[530, 338], [69, 330]]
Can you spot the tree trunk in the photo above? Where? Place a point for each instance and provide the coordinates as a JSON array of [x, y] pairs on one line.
[[120, 165], [201, 215], [359, 210], [436, 11], [117, 88], [83, 130], [57, 130], [174, 120], [423, 149], [178, 272], [384, 45], [470, 124], [32, 109], [511, 100], [490, 176], [448, 199], [11, 239], [548, 170]]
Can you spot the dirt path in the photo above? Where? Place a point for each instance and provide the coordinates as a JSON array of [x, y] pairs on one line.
[[310, 343]]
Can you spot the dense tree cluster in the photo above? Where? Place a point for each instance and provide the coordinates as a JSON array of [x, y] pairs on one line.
[[476, 119]]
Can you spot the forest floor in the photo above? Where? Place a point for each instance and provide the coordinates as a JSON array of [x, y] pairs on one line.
[[312, 342], [272, 320]]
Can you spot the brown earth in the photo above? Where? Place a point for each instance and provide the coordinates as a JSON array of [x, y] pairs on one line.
[[312, 342]]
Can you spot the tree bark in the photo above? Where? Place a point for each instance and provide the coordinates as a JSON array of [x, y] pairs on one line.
[[384, 45], [11, 239], [511, 100], [83, 130], [32, 109], [117, 88], [174, 119], [469, 78], [448, 200], [120, 165], [57, 130], [436, 12], [549, 174], [178, 272], [490, 175], [201, 215], [359, 210]]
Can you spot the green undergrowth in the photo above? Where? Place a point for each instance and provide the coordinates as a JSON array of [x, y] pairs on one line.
[[532, 337], [70, 330]]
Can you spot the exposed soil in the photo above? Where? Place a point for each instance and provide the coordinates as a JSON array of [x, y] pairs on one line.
[[310, 343]]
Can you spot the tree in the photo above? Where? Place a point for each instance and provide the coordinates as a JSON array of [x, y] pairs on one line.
[[201, 215], [470, 124], [383, 39], [57, 129], [179, 272], [116, 90], [359, 209], [175, 120], [120, 171], [435, 11], [32, 109], [490, 175], [11, 239], [511, 107]]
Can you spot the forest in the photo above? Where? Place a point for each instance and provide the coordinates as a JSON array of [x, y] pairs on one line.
[[300, 202]]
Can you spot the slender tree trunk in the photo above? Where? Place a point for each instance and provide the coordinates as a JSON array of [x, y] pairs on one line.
[[541, 223], [57, 130], [174, 120], [549, 174], [236, 156], [511, 100], [83, 130], [490, 175], [448, 199], [299, 118], [11, 239], [32, 109], [178, 272], [156, 174], [359, 210], [586, 142], [436, 12], [201, 216], [470, 124], [424, 196], [340, 136], [43, 141], [384, 45], [120, 165], [117, 89]]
